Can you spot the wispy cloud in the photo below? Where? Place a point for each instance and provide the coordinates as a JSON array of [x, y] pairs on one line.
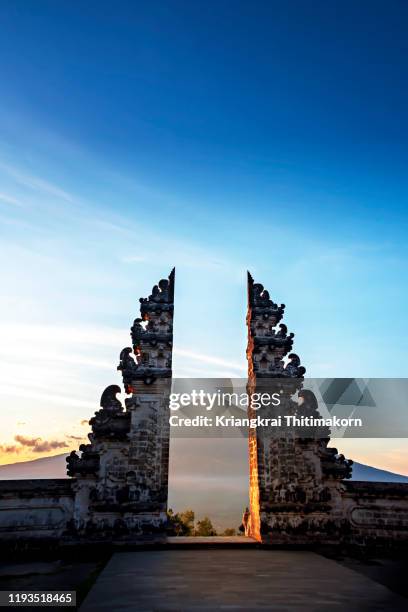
[[63, 334], [43, 336], [53, 398], [35, 183], [133, 259], [10, 200], [210, 359]]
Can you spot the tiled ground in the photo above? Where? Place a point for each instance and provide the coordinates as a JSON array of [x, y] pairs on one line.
[[243, 579]]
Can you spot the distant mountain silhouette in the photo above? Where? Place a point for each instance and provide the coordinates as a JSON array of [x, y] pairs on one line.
[[368, 473], [55, 467], [46, 467]]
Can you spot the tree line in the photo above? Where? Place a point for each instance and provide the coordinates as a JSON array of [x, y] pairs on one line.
[[185, 524]]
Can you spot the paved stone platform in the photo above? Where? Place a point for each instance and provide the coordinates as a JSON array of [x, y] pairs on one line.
[[234, 580], [208, 541]]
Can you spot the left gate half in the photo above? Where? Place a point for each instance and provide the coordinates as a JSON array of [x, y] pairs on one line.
[[121, 476]]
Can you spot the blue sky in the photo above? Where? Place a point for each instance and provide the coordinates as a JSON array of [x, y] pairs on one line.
[[216, 137]]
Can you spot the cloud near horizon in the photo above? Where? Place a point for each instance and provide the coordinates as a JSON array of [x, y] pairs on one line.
[[38, 445], [10, 449], [79, 438]]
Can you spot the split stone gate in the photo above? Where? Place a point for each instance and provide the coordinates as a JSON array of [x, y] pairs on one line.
[[117, 491]]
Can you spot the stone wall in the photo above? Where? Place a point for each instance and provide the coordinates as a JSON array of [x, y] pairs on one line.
[[376, 513], [35, 509]]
